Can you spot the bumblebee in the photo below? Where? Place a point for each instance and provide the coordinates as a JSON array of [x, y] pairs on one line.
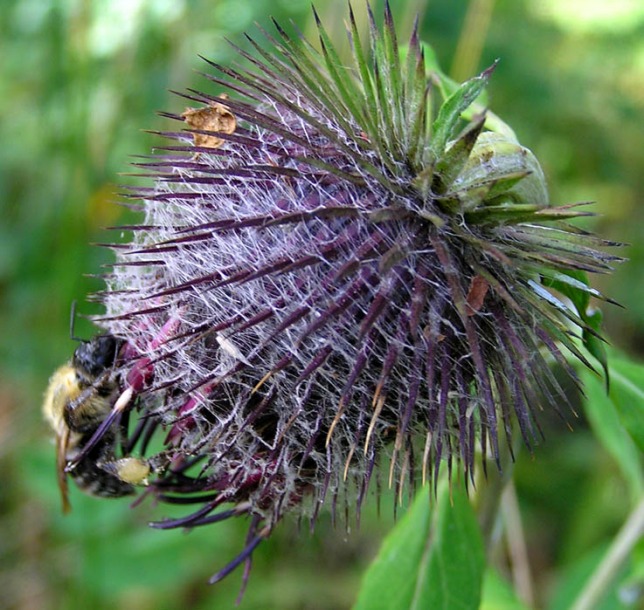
[[78, 400]]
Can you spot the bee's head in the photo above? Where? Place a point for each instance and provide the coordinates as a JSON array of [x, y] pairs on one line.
[[93, 357]]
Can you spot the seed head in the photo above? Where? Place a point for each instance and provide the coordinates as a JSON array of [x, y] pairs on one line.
[[340, 262]]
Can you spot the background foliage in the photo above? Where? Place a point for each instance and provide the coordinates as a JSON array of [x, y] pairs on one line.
[[79, 80]]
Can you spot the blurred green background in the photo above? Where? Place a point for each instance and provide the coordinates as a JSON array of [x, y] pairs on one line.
[[81, 80]]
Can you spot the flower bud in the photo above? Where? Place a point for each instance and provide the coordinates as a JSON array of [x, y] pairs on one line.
[[337, 270]]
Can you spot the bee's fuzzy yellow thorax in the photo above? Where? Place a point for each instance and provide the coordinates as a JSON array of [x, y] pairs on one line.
[[63, 388]]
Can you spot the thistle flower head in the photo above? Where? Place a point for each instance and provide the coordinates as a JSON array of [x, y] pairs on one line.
[[340, 261]]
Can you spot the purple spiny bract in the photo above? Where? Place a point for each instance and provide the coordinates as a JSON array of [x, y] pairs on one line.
[[339, 263]]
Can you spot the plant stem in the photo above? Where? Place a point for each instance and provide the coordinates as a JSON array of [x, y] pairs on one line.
[[517, 547], [603, 576]]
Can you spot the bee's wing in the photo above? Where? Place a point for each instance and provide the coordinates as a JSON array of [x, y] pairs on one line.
[[62, 442]]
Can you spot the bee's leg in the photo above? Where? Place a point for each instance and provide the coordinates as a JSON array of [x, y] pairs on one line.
[[123, 427], [130, 470], [136, 470], [119, 406], [62, 442]]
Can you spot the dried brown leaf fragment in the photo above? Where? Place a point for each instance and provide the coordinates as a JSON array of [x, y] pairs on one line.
[[212, 118]]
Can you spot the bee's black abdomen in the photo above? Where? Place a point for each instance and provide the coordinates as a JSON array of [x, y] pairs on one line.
[[91, 478]]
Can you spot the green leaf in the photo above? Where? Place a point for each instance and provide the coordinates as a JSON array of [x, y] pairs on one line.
[[632, 588], [519, 213], [575, 285], [455, 158], [605, 421], [595, 346], [627, 393], [448, 86], [391, 68], [498, 594], [450, 112], [572, 284], [433, 558], [576, 576], [371, 107], [431, 61], [347, 90], [418, 104]]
